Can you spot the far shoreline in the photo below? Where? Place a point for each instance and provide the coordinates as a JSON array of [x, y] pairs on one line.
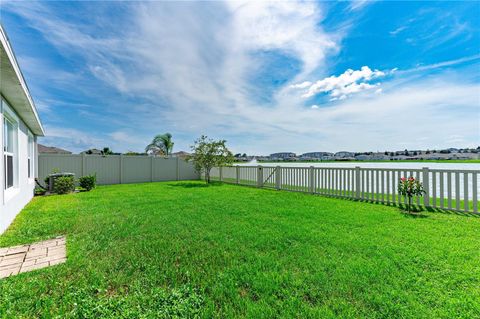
[[454, 161]]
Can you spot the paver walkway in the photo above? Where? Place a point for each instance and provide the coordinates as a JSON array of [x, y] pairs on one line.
[[17, 259]]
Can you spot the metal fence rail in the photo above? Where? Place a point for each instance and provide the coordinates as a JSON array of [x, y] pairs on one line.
[[455, 190], [118, 169]]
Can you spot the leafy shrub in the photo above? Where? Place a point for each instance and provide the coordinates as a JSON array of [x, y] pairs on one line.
[[47, 179], [64, 184], [39, 191], [410, 187], [88, 182]]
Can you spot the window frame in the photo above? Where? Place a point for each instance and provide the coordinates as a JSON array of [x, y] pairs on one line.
[[30, 156], [10, 116], [7, 154]]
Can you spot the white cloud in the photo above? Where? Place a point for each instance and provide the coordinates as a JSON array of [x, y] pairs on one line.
[[359, 4], [340, 87], [302, 85], [438, 65], [398, 30], [315, 106], [127, 137], [73, 140]]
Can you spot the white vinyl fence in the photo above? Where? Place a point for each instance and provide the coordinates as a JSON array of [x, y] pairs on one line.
[[446, 189], [117, 169]]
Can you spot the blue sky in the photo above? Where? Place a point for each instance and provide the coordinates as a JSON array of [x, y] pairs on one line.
[[266, 76]]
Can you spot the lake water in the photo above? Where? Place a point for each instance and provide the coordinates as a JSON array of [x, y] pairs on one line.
[[392, 164]]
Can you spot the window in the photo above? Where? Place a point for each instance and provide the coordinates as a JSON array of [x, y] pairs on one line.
[[8, 148], [30, 155]]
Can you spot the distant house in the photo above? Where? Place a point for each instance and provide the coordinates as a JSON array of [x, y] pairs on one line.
[[19, 128], [92, 151], [283, 155], [181, 154], [379, 156], [462, 156], [344, 155], [317, 155], [363, 157], [42, 149]]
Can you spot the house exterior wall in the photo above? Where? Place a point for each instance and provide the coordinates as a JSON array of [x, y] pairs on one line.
[[13, 199]]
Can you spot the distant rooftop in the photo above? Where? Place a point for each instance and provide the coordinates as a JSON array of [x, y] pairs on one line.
[[42, 149]]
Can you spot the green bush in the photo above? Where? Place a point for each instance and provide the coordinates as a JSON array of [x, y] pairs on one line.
[[88, 182], [64, 184], [47, 179], [39, 191]]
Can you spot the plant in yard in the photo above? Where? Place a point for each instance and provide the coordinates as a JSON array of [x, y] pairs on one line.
[[410, 187], [106, 151], [39, 191], [88, 182], [131, 153], [161, 145], [207, 154], [47, 179], [64, 184]]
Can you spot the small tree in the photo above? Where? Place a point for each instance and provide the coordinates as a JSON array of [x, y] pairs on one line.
[[410, 187], [207, 154], [106, 151]]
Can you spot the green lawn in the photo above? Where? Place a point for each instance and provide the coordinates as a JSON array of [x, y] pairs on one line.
[[180, 249]]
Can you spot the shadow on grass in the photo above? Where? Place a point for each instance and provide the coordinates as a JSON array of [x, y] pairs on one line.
[[416, 209], [450, 212], [414, 214], [195, 184]]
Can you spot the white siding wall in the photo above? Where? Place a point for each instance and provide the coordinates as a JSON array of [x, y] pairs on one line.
[[14, 199]]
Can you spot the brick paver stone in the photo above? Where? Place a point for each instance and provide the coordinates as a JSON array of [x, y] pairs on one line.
[[23, 258]]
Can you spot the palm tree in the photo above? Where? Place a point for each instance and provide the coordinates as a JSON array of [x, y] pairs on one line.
[[161, 144]]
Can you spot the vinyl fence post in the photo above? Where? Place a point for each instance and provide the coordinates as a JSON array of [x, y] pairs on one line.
[[237, 174], [220, 174], [278, 177], [311, 180], [151, 168], [83, 164], [426, 186], [357, 182], [259, 176], [121, 169], [178, 168]]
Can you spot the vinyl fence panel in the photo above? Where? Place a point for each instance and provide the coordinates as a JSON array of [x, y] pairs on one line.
[[447, 189], [117, 169], [106, 168]]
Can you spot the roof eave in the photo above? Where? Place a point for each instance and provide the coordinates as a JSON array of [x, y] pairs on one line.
[[15, 89]]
